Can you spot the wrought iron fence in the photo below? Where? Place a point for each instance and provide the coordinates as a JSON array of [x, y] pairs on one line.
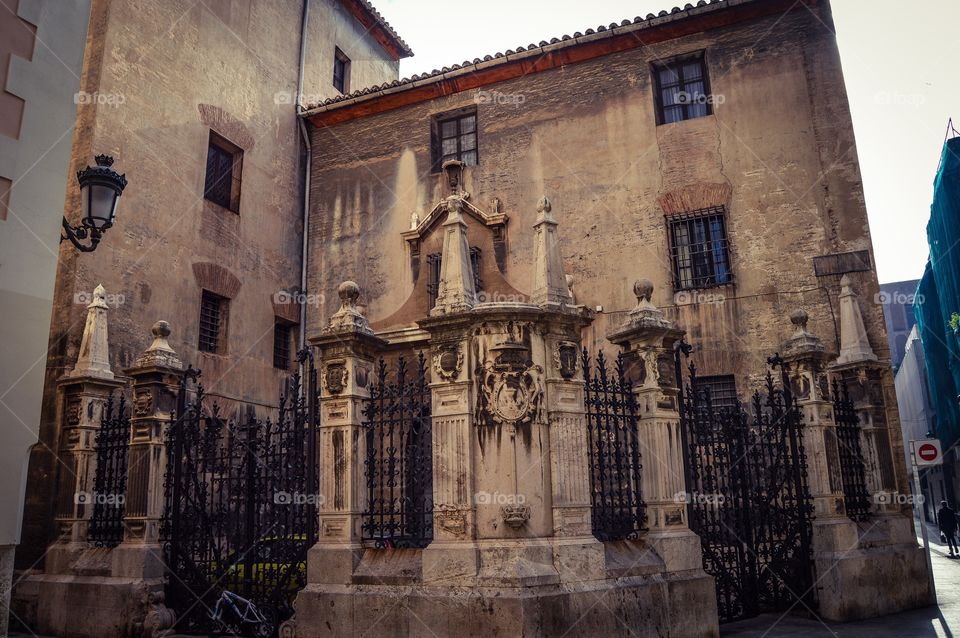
[[241, 508], [748, 497], [856, 496], [110, 478], [399, 463], [618, 511]]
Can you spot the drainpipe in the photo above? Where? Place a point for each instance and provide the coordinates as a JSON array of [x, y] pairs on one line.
[[305, 138]]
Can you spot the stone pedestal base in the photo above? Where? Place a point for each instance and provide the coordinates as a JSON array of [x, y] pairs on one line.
[[868, 569], [97, 593], [84, 606], [681, 606], [622, 590]]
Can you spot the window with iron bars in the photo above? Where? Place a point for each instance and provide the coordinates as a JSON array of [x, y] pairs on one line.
[[722, 389], [682, 89], [699, 249], [433, 271], [213, 322], [281, 345]]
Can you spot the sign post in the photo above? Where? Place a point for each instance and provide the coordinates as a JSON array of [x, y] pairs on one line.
[[925, 453]]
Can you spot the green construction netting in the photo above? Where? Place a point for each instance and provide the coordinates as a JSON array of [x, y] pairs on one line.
[[938, 296]]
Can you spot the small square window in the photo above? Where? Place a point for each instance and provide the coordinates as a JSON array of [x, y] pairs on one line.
[[455, 138], [722, 390], [222, 182], [341, 71], [682, 87], [698, 247], [213, 322], [281, 345]]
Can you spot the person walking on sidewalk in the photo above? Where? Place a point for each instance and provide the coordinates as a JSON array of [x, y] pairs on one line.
[[947, 522]]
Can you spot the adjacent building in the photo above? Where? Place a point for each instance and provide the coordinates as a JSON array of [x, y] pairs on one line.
[[41, 56], [197, 103], [918, 420], [937, 309], [897, 299]]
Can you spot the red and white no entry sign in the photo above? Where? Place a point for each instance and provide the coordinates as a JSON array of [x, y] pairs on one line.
[[927, 452]]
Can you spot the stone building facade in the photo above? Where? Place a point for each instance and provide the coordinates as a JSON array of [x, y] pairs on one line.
[[772, 159], [689, 174], [709, 150], [164, 88]]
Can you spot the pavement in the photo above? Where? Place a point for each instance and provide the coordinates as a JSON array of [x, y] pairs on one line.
[[935, 621]]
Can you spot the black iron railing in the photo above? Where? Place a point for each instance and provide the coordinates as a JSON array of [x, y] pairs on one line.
[[619, 511], [748, 498], [856, 496], [110, 479], [242, 497], [399, 465]]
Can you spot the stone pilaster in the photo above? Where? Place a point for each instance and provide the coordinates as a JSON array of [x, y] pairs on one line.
[[456, 292], [345, 351], [549, 283], [806, 357], [452, 557], [157, 376], [647, 339]]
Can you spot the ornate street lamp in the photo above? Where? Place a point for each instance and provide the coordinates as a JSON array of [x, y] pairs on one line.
[[100, 189]]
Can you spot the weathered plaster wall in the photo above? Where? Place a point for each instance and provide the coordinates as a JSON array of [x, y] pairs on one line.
[[331, 26], [167, 73], [778, 152]]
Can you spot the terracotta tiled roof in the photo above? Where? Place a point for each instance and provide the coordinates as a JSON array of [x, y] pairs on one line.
[[533, 49], [403, 46]]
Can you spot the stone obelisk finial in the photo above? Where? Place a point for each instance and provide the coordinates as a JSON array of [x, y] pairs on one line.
[[549, 282], [854, 345], [94, 359], [456, 291]]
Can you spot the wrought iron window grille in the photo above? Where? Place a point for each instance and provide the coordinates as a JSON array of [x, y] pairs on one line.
[[699, 249]]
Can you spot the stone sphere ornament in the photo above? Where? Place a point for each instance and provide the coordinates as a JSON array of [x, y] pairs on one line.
[[643, 289], [349, 292], [799, 319]]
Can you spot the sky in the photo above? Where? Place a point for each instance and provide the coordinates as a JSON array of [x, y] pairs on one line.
[[897, 63]]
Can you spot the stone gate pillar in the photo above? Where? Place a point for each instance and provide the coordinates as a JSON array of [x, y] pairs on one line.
[[806, 357], [870, 383], [83, 394], [345, 351], [157, 374], [452, 556], [647, 339], [863, 568]]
